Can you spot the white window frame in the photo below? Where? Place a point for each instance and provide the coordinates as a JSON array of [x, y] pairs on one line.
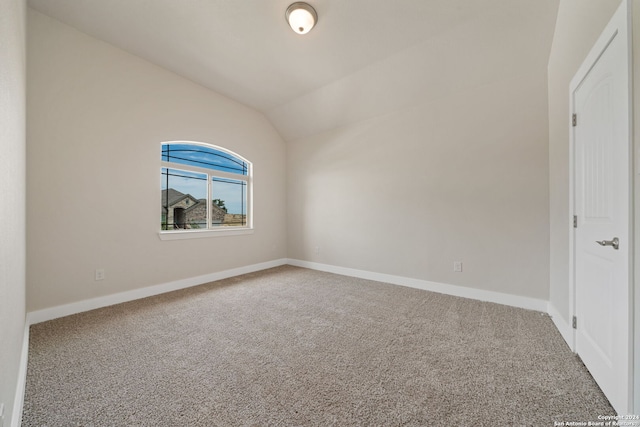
[[210, 173]]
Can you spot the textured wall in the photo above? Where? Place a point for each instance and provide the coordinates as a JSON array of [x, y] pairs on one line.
[[97, 116], [12, 189]]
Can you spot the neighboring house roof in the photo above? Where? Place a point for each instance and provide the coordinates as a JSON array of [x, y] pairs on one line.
[[196, 204], [175, 197]]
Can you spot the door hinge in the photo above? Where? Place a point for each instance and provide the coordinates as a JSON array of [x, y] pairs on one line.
[[574, 322], [575, 221], [574, 119]]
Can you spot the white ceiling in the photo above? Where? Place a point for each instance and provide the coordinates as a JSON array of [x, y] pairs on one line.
[[245, 50]]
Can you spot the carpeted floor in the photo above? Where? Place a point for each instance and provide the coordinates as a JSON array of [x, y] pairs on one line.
[[296, 347]]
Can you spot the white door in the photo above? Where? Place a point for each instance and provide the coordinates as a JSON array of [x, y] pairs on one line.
[[601, 148]]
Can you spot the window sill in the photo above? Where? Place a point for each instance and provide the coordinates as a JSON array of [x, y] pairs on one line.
[[198, 234]]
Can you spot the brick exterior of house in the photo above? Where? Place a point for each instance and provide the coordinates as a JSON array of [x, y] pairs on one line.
[[183, 211]]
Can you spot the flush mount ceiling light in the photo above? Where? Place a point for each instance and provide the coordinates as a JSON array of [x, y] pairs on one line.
[[301, 17]]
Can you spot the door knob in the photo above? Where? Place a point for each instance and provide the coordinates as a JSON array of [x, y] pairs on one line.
[[615, 243]]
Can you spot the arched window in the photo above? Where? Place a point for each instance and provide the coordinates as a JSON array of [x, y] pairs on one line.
[[204, 187]]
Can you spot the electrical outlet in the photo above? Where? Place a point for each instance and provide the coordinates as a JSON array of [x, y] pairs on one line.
[[317, 250], [457, 266], [100, 274]]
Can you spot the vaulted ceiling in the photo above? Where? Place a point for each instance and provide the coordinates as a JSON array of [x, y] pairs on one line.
[[364, 57]]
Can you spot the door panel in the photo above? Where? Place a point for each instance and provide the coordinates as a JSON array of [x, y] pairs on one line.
[[596, 329], [601, 148]]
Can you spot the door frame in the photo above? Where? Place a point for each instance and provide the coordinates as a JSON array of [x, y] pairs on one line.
[[620, 24]]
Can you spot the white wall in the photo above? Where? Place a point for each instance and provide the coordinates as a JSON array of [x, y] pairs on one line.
[[97, 116], [578, 26], [12, 189], [457, 177], [434, 155]]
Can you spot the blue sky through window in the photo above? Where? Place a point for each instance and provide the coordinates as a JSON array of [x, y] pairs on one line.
[[185, 182], [210, 162], [203, 157], [232, 192]]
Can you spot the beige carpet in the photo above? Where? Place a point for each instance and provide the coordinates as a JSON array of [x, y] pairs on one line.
[[295, 347]]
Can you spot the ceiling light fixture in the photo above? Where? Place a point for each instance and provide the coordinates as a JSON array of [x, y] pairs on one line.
[[301, 17]]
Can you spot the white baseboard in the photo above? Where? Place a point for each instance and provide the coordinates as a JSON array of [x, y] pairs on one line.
[[91, 304], [18, 402], [459, 291], [563, 327]]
